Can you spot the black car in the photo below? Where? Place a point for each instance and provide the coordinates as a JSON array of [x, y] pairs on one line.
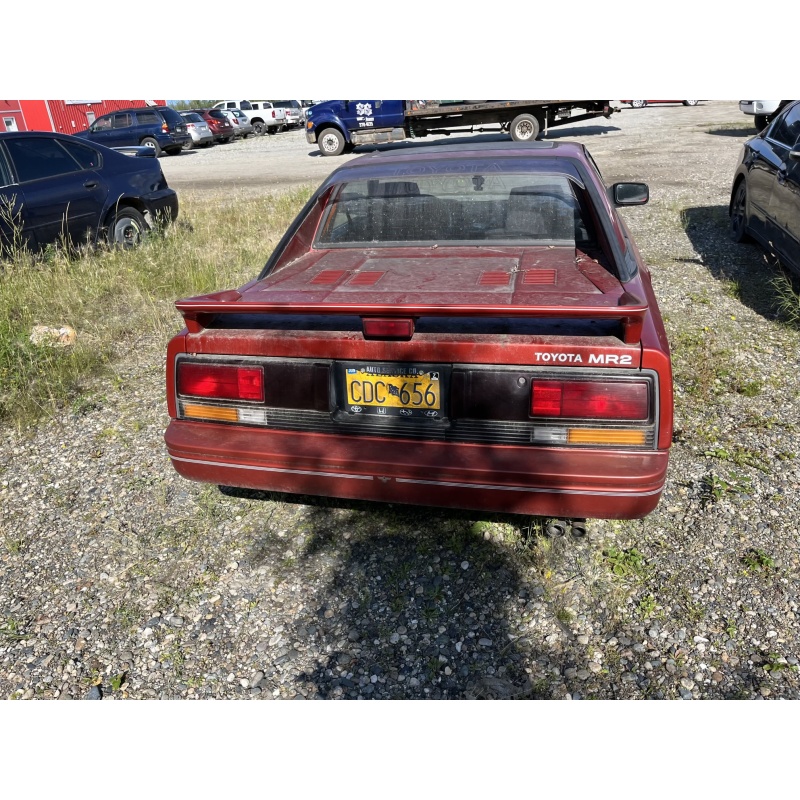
[[55, 187], [159, 127], [765, 200]]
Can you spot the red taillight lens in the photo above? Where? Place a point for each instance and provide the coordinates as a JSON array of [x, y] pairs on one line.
[[383, 328], [190, 125], [223, 382], [165, 127], [591, 399], [273, 114]]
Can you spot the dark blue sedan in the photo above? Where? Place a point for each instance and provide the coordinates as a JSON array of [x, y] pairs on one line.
[[57, 189]]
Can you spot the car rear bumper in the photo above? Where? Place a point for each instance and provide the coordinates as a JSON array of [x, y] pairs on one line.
[[540, 481], [164, 204]]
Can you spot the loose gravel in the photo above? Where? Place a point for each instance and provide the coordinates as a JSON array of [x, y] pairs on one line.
[[119, 579]]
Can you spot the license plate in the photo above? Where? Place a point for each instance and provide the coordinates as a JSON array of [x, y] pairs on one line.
[[395, 390]]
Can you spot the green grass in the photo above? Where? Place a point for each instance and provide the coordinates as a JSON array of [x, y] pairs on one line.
[[114, 298]]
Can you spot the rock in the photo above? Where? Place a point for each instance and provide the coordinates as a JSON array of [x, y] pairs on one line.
[[47, 336], [94, 694], [485, 642], [353, 635], [256, 679]]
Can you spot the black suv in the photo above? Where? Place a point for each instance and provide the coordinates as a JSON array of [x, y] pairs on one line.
[[159, 127]]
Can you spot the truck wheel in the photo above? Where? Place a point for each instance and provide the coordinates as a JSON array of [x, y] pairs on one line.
[[524, 128], [638, 103], [331, 142], [761, 121], [260, 127]]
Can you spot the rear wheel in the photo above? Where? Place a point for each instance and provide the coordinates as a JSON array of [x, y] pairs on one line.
[[127, 228], [524, 128], [150, 142], [738, 227], [331, 142], [638, 103], [761, 121], [690, 102], [259, 127]]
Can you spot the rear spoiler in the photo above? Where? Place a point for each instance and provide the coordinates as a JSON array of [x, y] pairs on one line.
[[199, 312]]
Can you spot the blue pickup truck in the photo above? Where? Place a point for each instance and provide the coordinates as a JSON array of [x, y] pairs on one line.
[[338, 126]]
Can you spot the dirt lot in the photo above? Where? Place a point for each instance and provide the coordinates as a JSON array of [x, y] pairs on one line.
[[272, 163], [120, 579]]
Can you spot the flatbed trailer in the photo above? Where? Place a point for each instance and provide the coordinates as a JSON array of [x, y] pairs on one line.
[[339, 125]]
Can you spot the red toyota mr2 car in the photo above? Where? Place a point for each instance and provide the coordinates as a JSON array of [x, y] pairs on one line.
[[467, 326]]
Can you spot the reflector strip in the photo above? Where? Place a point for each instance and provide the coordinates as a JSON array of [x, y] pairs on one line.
[[607, 436], [194, 411]]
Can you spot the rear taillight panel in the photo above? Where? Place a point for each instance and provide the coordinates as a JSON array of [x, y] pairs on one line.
[[587, 399], [221, 381]]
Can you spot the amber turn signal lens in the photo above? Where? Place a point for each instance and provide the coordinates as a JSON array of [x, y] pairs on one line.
[[604, 436], [194, 411]]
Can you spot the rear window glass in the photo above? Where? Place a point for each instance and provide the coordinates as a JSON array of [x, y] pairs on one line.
[[193, 118], [456, 208], [286, 103], [171, 116], [217, 114]]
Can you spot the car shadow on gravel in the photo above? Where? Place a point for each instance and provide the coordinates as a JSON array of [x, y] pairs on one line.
[[745, 268], [740, 133], [410, 602]]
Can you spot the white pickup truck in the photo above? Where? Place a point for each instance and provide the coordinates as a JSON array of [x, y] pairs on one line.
[[264, 117]]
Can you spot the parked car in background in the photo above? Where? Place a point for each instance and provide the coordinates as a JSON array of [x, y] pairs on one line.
[[763, 111], [234, 121], [245, 126], [197, 128], [294, 112], [643, 103], [469, 326], [219, 124], [159, 127], [261, 113], [57, 188], [765, 198]]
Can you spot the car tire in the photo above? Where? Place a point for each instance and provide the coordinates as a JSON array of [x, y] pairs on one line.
[[259, 128], [148, 141], [638, 103], [127, 228], [738, 225], [690, 102], [189, 145], [761, 122], [524, 128], [331, 142], [272, 130]]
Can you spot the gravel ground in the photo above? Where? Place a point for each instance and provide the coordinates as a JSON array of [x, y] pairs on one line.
[[119, 579]]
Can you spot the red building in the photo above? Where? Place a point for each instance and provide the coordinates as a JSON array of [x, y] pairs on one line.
[[63, 116]]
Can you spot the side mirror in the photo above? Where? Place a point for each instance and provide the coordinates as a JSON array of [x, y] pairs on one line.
[[630, 194], [794, 153]]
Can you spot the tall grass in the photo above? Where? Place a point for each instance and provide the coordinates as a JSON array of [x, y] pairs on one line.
[[114, 298]]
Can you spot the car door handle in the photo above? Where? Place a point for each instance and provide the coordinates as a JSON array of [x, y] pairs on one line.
[[91, 185]]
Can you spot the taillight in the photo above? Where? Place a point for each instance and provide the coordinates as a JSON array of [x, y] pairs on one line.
[[164, 127], [273, 113], [617, 400], [221, 381], [190, 125]]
